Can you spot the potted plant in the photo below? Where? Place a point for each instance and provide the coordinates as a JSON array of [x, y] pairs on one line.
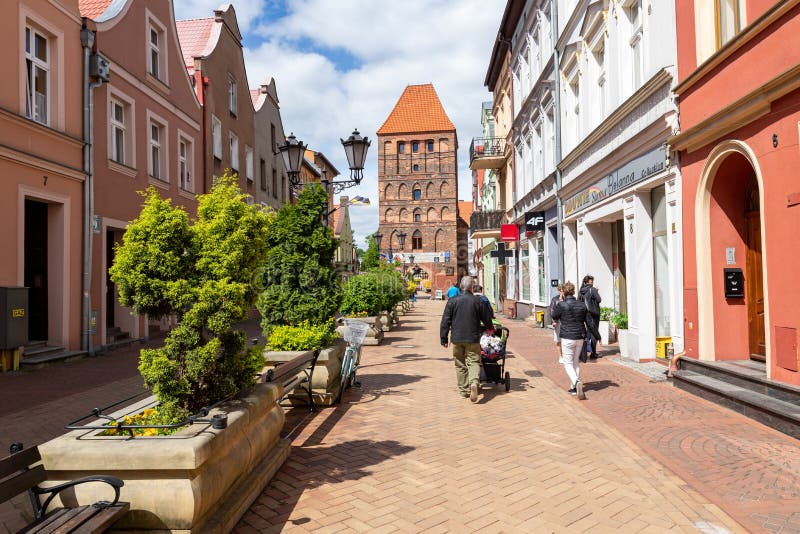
[[302, 290], [607, 333], [361, 301], [200, 272], [620, 321]]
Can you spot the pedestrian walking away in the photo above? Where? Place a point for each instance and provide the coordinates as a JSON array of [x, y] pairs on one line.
[[574, 323], [452, 292], [591, 298], [464, 319], [556, 326]]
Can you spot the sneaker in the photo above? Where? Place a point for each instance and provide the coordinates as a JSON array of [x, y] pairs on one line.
[[579, 390], [572, 391], [473, 392]]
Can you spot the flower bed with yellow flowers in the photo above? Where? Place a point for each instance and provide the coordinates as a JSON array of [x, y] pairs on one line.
[[146, 418]]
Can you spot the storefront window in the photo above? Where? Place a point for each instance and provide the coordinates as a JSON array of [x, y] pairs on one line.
[[661, 260], [540, 275], [525, 272]]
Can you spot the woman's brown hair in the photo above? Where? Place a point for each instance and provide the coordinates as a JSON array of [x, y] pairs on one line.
[[569, 289]]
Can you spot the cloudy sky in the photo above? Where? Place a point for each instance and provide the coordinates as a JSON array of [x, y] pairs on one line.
[[342, 64]]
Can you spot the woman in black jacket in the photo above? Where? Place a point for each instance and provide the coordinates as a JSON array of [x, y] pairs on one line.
[[574, 321]]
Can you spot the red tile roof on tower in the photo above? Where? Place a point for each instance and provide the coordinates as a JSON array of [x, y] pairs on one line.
[[465, 209], [193, 35], [91, 9], [418, 110]]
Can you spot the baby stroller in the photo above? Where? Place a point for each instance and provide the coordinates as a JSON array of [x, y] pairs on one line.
[[493, 358]]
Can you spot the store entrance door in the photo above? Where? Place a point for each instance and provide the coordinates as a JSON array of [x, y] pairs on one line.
[[618, 266], [754, 280]]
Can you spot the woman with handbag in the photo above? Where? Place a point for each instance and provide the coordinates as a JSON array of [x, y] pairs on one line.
[[574, 323]]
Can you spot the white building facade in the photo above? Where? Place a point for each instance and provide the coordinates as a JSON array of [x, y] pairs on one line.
[[592, 111]]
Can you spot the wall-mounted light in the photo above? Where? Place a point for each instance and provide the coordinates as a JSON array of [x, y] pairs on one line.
[[775, 140]]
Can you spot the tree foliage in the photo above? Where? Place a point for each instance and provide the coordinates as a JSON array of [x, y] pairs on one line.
[[300, 282], [371, 257], [373, 292], [206, 272]]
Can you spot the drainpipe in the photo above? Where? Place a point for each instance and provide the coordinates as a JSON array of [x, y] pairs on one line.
[[87, 42], [557, 134]]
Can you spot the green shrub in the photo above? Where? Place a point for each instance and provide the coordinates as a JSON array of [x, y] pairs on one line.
[[360, 295], [304, 336], [620, 320], [299, 277], [391, 288], [371, 258], [203, 273], [607, 314]]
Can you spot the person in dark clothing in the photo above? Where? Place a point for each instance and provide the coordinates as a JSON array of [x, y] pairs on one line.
[[553, 303], [464, 319], [591, 298], [574, 322], [478, 292]]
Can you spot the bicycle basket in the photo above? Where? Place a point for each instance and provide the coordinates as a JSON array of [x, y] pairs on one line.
[[355, 332]]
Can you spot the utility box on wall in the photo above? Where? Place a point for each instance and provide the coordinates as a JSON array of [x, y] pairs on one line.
[[14, 322]]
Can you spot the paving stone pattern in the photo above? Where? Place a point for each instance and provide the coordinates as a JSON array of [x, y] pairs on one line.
[[751, 471], [406, 454]]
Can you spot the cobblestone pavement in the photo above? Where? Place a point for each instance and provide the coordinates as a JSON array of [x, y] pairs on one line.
[[749, 470], [406, 454]]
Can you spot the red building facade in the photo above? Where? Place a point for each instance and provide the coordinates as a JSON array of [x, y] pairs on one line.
[[739, 96]]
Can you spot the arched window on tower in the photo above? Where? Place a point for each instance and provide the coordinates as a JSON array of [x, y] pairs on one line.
[[417, 194], [387, 217], [437, 240], [402, 192], [431, 214], [416, 240], [429, 190], [417, 215], [388, 191]]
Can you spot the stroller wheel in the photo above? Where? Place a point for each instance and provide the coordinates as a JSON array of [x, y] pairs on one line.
[[508, 381]]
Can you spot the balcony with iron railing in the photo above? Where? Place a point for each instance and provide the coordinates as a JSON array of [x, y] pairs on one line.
[[487, 153], [485, 224]]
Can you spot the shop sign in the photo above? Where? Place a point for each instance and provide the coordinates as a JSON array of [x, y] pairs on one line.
[[534, 222], [629, 174], [509, 232]]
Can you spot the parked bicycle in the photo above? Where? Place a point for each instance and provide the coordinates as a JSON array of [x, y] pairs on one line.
[[354, 334]]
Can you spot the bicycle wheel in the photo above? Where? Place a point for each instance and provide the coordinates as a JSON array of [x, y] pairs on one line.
[[356, 361], [347, 361]]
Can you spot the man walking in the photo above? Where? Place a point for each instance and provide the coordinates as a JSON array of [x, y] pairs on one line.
[[452, 292], [464, 317]]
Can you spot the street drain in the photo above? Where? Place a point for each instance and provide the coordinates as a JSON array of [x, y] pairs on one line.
[[405, 346]]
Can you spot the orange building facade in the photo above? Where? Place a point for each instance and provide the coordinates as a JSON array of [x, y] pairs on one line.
[[739, 97], [41, 193]]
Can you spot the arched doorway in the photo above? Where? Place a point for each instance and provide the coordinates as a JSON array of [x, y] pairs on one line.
[[729, 226]]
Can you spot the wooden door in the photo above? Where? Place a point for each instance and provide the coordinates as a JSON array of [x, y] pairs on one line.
[[754, 283]]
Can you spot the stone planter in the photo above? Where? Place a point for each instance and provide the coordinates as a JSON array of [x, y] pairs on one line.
[[395, 316], [325, 381], [385, 321], [607, 332], [197, 480], [374, 334], [622, 337]]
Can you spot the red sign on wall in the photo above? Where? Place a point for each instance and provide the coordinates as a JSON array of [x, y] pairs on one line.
[[509, 232]]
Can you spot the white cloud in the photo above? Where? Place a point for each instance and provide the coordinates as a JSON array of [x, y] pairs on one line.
[[394, 44], [246, 12]]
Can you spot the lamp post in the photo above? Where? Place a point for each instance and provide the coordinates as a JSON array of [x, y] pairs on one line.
[[355, 148]]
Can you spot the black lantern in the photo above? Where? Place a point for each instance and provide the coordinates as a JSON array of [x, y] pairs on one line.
[[378, 236], [411, 258], [401, 237], [293, 151], [355, 147]]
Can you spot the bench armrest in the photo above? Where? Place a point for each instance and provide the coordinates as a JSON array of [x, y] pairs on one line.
[[114, 482]]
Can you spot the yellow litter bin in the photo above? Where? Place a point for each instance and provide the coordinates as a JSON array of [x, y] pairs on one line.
[[661, 346], [540, 318]]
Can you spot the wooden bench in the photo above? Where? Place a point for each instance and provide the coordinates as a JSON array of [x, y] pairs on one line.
[[21, 472], [297, 372]]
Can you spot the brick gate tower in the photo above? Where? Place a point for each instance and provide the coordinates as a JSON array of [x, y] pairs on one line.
[[418, 187]]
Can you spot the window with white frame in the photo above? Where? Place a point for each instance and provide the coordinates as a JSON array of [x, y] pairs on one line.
[[538, 159], [234, 151], [233, 105], [118, 132], [549, 141], [248, 163], [599, 77], [729, 20], [156, 50], [185, 160], [515, 82], [633, 10], [37, 80], [216, 137], [158, 151]]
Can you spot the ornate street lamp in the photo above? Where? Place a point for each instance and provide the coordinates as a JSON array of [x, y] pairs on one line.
[[378, 236], [401, 236], [355, 147], [411, 259], [293, 151]]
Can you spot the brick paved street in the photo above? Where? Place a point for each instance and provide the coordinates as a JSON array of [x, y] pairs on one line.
[[406, 454]]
